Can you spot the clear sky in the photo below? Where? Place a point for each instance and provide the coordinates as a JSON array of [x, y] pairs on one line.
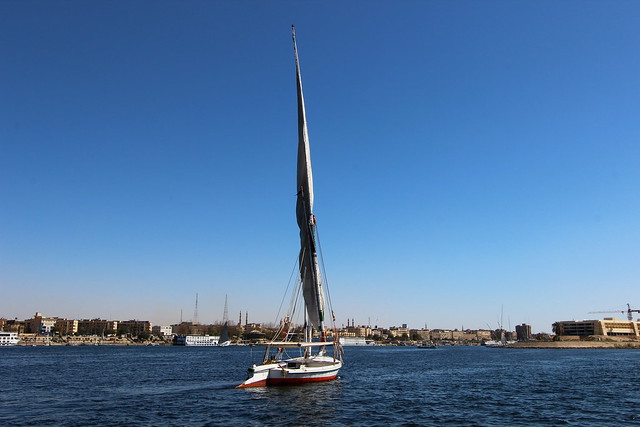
[[467, 156]]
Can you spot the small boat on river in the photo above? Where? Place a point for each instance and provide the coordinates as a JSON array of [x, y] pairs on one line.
[[427, 345]]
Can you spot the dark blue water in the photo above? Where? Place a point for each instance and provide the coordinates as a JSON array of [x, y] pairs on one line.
[[76, 386]]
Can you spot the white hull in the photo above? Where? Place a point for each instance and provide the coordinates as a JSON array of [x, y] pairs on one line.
[[196, 340], [9, 339], [352, 342], [497, 343], [293, 371]]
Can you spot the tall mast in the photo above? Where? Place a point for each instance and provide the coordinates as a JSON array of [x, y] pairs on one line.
[[308, 258], [195, 312]]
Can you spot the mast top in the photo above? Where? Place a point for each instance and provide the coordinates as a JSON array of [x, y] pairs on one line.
[[295, 45]]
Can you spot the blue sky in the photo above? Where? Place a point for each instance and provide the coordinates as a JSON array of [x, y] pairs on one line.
[[467, 156]]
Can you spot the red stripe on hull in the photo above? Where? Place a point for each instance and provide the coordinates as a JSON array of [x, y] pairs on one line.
[[296, 381]]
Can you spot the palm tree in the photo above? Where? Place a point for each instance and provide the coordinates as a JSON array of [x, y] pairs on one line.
[[558, 328]]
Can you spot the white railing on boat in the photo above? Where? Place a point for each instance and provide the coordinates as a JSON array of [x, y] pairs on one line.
[[290, 344]]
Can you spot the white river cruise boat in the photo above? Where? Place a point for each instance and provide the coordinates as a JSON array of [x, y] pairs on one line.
[[196, 340], [355, 341], [9, 338]]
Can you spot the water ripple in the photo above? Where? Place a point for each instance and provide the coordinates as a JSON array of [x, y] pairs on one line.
[[459, 386]]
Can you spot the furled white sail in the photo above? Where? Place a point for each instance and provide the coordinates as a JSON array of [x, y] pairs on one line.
[[309, 271]]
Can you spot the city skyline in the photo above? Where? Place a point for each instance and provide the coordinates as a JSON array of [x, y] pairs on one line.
[[243, 321], [467, 157]]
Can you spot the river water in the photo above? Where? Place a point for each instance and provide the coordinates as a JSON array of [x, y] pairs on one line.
[[103, 385]]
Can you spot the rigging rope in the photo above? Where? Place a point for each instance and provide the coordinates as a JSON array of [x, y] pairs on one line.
[[325, 277], [293, 271]]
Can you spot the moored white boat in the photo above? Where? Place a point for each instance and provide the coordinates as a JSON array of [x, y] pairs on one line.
[[355, 341], [9, 338], [427, 345], [277, 366], [497, 343], [196, 340]]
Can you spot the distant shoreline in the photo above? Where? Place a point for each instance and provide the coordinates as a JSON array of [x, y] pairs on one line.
[[39, 341], [576, 344], [43, 341]]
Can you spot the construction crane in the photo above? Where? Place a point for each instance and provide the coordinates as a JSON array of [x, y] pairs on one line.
[[629, 312]]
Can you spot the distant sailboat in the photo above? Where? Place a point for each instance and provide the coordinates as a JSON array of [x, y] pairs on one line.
[[501, 340], [277, 367], [224, 336]]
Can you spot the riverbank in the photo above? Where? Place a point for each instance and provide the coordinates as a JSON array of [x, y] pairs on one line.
[[31, 340], [575, 344]]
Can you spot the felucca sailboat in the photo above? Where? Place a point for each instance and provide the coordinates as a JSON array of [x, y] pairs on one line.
[[317, 360]]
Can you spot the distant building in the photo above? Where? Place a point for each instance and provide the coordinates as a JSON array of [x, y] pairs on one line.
[[41, 325], [97, 327], [380, 332], [469, 335], [609, 326], [423, 334], [456, 335], [13, 325], [162, 331], [440, 334], [66, 326], [483, 334], [136, 327], [253, 326], [523, 332], [356, 331], [399, 332]]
